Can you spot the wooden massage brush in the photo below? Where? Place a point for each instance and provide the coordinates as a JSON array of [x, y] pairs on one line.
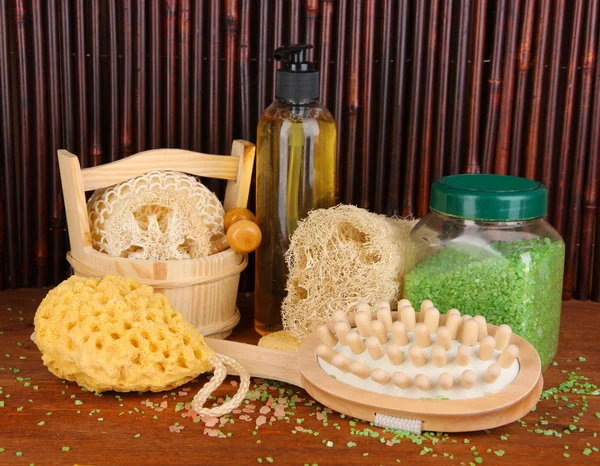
[[408, 370]]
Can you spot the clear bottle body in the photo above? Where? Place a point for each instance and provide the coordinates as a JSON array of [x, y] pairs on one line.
[[509, 272], [295, 173]]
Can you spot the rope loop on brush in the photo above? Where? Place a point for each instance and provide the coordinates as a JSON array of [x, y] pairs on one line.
[[220, 363]]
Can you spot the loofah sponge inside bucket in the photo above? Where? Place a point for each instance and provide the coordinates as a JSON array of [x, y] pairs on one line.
[[112, 333], [339, 257]]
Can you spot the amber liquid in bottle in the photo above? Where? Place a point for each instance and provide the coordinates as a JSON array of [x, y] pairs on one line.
[[295, 173]]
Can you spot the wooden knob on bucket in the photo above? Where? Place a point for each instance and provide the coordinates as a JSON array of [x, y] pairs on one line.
[[243, 235]]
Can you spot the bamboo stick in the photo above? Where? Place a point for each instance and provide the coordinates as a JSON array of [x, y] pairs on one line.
[[231, 30], [113, 85], [214, 74], [81, 87], [456, 146], [311, 14], [156, 67], [67, 91], [126, 137], [8, 136], [552, 102], [183, 74], [95, 150], [366, 116], [41, 176], [439, 153], [537, 95], [581, 148], [564, 160], [294, 18], [507, 90], [495, 86], [587, 260], [262, 55], [523, 65], [170, 10], [472, 165], [197, 74], [382, 160], [425, 169], [277, 41], [26, 161], [338, 101], [397, 141], [352, 105], [325, 51], [409, 207], [248, 121], [140, 78]]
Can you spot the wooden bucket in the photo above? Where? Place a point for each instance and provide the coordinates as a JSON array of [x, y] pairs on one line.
[[204, 289]]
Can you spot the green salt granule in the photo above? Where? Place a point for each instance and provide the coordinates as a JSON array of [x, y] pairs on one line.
[[518, 284]]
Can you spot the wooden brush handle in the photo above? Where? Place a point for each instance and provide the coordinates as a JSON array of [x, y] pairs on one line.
[[260, 362]]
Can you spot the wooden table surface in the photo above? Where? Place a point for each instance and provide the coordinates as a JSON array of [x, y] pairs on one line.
[[44, 420]]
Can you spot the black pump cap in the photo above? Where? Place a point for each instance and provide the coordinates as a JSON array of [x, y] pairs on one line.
[[297, 80]]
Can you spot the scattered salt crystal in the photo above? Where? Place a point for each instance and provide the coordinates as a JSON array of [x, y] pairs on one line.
[[327, 410], [182, 393], [210, 421], [236, 411], [211, 432], [279, 411], [248, 410], [273, 419], [263, 387], [264, 410], [258, 381], [220, 400], [272, 387], [299, 428], [245, 417], [159, 409], [250, 405], [270, 401], [281, 401], [164, 404], [260, 420], [187, 389], [320, 416], [234, 383], [389, 443]]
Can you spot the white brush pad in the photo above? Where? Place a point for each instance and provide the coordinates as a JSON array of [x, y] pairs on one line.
[[457, 392]]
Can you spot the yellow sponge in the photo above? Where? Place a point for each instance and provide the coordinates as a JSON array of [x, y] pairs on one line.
[[282, 340], [112, 333]]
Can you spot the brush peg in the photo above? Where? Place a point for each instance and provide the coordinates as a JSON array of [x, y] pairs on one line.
[[339, 316], [408, 317], [508, 356], [438, 356], [384, 305], [341, 330], [399, 334], [341, 362], [378, 330], [461, 327], [482, 324], [422, 335], [394, 354], [403, 302], [235, 215], [363, 323], [422, 382], [444, 317], [384, 315], [374, 347], [468, 379], [503, 334], [453, 323], [446, 381], [355, 342], [380, 376], [360, 369], [400, 380], [325, 352], [486, 348], [326, 336], [492, 373], [363, 307], [432, 319], [463, 355], [425, 304], [443, 338], [470, 331], [416, 355]]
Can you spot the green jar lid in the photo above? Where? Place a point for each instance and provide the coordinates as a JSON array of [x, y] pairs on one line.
[[491, 198]]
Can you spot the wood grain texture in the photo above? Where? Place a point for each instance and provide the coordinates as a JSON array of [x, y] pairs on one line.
[[183, 73], [86, 436]]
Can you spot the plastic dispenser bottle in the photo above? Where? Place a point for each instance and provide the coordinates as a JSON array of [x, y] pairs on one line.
[[295, 173]]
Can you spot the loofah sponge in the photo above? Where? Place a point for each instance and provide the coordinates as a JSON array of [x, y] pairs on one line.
[[339, 257], [162, 215], [280, 341], [112, 333]]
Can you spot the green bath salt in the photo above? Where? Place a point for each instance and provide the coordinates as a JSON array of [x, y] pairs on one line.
[[516, 283]]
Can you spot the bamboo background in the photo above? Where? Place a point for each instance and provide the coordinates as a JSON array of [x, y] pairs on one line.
[[419, 89]]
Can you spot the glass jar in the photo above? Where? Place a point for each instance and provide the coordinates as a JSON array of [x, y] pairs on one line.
[[487, 249]]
